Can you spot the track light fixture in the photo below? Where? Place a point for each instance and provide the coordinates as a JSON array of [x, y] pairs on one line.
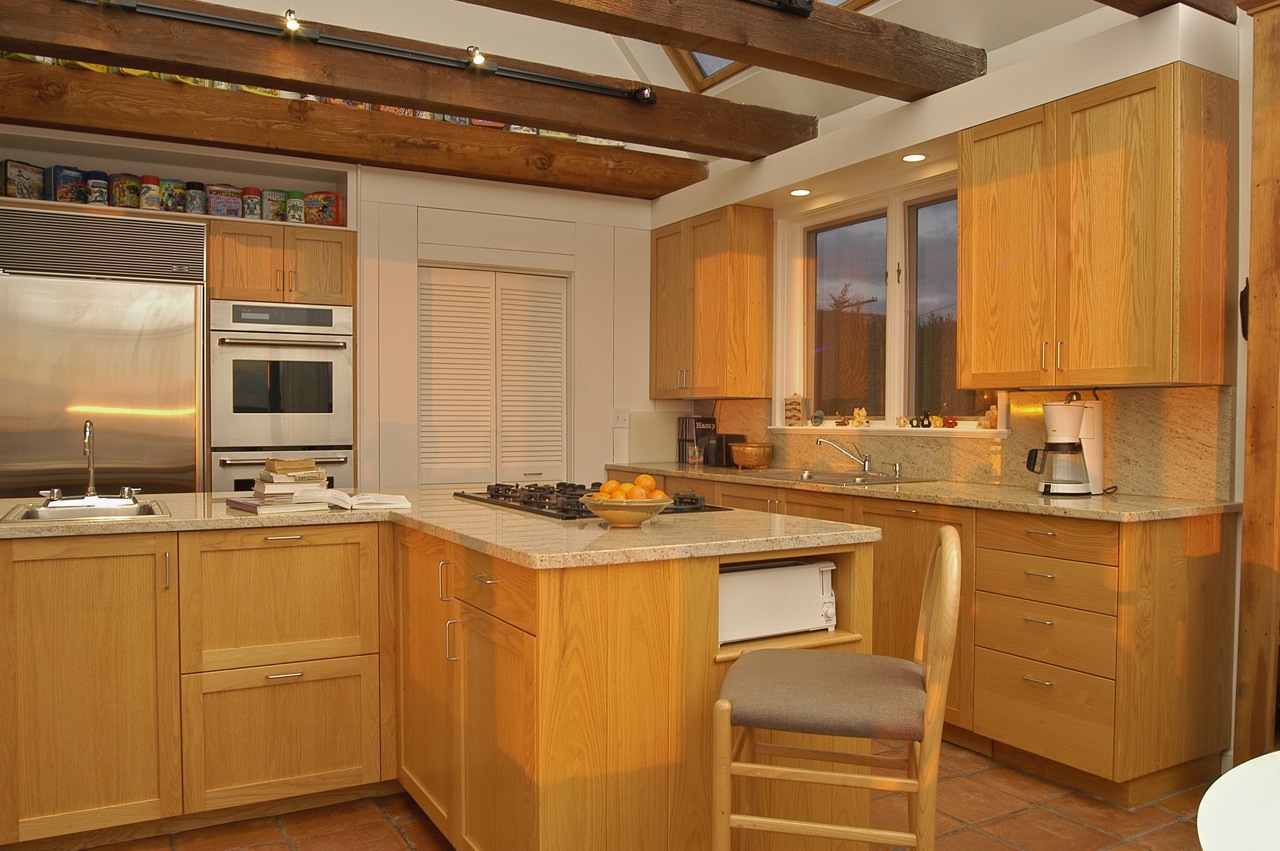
[[291, 21]]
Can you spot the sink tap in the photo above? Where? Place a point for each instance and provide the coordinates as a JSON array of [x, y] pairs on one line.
[[865, 460], [88, 450]]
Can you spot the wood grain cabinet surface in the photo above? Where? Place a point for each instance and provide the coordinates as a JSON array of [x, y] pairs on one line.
[[89, 712], [280, 680], [711, 308], [1095, 237], [261, 261]]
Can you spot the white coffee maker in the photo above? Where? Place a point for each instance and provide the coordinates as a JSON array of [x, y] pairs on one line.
[[1071, 461]]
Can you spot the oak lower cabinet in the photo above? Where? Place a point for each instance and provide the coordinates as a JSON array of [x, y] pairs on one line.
[[681, 484], [428, 707], [901, 557], [262, 261], [1095, 237], [279, 662], [790, 501], [1105, 647], [89, 713], [711, 306]]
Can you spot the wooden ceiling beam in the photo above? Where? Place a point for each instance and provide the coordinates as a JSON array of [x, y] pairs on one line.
[[1224, 9], [39, 95], [834, 45], [677, 120]]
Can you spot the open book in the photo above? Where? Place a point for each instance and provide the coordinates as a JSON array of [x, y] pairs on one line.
[[341, 499]]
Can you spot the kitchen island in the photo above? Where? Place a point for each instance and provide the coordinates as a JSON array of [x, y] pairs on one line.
[[536, 684]]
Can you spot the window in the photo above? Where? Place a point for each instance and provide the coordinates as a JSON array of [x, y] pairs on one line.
[[881, 311]]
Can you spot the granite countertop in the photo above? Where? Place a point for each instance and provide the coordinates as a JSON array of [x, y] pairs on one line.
[[517, 536], [1120, 508]]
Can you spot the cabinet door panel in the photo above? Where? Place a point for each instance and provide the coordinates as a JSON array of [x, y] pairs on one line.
[[320, 266], [246, 261], [751, 497], [671, 315], [88, 698]]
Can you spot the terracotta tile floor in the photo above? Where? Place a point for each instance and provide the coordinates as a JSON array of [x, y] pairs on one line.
[[982, 806]]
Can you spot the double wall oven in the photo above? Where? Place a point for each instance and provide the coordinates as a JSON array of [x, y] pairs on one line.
[[281, 385]]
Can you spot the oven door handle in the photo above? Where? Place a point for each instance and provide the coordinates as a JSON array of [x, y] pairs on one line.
[[258, 462], [292, 344]]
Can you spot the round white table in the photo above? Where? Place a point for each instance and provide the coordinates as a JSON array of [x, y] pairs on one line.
[[1241, 810]]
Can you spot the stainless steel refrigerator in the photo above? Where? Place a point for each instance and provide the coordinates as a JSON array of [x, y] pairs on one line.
[[101, 320]]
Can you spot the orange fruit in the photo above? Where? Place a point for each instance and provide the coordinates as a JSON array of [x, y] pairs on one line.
[[626, 487], [646, 481], [618, 494], [609, 486], [637, 492], [658, 494]]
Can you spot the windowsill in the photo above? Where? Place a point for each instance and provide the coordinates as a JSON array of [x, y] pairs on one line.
[[962, 431]]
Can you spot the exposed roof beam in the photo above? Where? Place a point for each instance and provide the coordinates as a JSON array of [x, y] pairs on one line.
[[114, 36], [1224, 9], [47, 96], [834, 45]]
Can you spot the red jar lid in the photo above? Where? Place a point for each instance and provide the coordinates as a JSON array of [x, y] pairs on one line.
[[251, 190], [150, 178]]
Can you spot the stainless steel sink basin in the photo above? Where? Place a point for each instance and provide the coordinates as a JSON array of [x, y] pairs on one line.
[[852, 478], [89, 508]]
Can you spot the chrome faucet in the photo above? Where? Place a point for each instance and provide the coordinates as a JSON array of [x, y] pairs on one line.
[[88, 450], [865, 460]]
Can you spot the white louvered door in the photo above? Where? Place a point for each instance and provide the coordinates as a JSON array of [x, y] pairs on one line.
[[492, 376]]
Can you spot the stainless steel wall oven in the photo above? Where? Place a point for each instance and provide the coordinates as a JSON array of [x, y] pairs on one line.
[[281, 385]]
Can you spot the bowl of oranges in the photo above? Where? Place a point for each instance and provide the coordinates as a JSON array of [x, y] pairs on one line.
[[625, 505]]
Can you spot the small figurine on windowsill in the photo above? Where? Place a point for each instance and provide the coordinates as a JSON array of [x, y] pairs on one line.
[[860, 418], [991, 419]]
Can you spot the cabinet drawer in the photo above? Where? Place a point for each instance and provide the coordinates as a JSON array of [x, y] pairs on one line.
[[1082, 641], [1095, 541], [1070, 720], [1077, 584], [504, 590]]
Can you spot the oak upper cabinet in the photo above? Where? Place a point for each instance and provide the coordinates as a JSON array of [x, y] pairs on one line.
[[89, 726], [428, 709], [261, 261], [711, 309], [901, 557], [280, 662], [1095, 237]]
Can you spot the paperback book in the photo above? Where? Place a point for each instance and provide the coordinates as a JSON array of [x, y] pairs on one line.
[[342, 499], [260, 505], [261, 488]]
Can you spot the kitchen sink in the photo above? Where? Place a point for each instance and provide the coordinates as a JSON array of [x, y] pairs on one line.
[[856, 477], [87, 508]]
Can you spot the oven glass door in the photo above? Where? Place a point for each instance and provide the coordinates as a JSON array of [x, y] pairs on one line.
[[279, 390]]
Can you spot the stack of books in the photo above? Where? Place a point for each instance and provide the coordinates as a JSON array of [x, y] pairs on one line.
[[276, 484]]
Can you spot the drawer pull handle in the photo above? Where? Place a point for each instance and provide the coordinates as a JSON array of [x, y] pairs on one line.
[[283, 538], [1041, 532], [908, 510], [480, 577], [448, 642], [284, 676], [1041, 575], [440, 581], [1030, 619], [1032, 679]]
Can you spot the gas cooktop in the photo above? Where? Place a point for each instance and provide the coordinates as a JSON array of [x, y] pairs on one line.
[[561, 500]]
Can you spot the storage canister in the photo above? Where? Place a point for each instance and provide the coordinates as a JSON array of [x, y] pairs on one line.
[[124, 189], [195, 197], [173, 195], [67, 185], [295, 207], [273, 205], [325, 208], [252, 197], [149, 192], [224, 200], [96, 187]]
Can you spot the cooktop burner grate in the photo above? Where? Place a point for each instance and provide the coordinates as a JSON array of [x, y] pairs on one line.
[[560, 500]]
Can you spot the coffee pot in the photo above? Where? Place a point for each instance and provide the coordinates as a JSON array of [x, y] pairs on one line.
[[1070, 464]]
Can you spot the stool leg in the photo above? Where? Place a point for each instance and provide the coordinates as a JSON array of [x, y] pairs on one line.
[[721, 781]]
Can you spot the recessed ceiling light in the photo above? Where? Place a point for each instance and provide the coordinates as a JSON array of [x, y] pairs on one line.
[[799, 193], [914, 158]]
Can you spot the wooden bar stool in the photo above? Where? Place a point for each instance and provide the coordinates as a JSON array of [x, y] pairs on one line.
[[857, 695]]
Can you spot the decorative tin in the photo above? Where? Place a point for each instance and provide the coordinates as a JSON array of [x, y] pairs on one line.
[[274, 205], [23, 180], [96, 187], [195, 202], [149, 192], [66, 184], [325, 208], [225, 200], [173, 195], [252, 196], [295, 207], [124, 189]]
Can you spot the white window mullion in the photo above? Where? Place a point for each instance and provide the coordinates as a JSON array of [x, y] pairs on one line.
[[898, 316]]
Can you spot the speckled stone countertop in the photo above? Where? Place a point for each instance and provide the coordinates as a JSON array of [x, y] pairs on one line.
[[517, 536], [1115, 507]]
